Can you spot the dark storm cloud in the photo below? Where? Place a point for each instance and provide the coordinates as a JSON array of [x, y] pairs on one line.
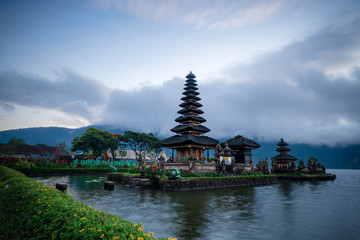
[[307, 92], [148, 109], [69, 93], [292, 93]]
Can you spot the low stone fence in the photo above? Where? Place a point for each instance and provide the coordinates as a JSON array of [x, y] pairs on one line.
[[203, 167], [133, 181], [212, 183], [314, 177]]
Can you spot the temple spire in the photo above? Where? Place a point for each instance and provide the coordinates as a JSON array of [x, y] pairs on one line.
[[190, 139]]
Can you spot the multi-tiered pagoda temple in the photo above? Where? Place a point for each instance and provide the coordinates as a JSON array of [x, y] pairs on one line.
[[283, 162], [190, 139]]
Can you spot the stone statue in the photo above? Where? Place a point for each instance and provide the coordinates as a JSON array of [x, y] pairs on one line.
[[227, 150], [175, 174], [162, 156], [218, 153], [311, 165], [300, 166], [223, 166], [112, 168], [263, 166]]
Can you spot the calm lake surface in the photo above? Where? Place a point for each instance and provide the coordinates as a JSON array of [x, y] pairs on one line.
[[287, 210]]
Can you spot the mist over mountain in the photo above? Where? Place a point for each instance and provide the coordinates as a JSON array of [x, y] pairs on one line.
[[332, 157]]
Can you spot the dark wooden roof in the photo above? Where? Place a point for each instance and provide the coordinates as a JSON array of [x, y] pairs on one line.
[[282, 146], [190, 97], [191, 87], [285, 157], [179, 140], [189, 92], [283, 149], [190, 75], [188, 84], [190, 127], [190, 103], [190, 110], [282, 143], [240, 141], [182, 119]]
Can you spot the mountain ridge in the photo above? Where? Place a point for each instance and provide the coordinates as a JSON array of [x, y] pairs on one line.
[[332, 157]]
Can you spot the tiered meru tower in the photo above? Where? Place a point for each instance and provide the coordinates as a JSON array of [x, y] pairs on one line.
[[189, 139]]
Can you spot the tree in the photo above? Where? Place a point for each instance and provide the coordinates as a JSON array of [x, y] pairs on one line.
[[10, 147], [63, 145], [94, 140], [114, 144], [17, 141], [141, 144]]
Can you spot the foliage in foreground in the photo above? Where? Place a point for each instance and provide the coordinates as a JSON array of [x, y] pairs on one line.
[[31, 210]]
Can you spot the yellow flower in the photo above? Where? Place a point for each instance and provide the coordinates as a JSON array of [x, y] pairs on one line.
[[99, 230], [132, 237], [90, 206], [75, 215], [91, 228], [83, 218], [82, 230], [151, 233], [140, 238], [102, 236], [113, 218]]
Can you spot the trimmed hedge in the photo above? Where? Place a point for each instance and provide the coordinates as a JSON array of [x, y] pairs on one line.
[[48, 171], [31, 210]]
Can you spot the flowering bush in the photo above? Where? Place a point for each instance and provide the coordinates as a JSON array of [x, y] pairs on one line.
[[133, 169], [24, 164], [31, 210]]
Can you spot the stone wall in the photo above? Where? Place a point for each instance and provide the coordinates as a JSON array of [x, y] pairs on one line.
[[211, 183], [203, 167], [314, 177]]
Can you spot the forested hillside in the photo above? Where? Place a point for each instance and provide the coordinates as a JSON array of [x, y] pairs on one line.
[[331, 157]]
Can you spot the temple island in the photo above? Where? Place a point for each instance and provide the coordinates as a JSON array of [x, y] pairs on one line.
[[190, 154]]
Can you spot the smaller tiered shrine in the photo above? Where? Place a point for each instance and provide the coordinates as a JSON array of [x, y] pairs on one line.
[[284, 162], [241, 149]]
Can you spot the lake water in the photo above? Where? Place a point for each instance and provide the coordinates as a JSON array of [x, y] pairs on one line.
[[287, 210]]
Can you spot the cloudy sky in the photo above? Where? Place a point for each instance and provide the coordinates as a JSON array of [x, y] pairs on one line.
[[265, 69]]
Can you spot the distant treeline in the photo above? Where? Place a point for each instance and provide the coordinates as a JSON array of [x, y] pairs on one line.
[[334, 157]]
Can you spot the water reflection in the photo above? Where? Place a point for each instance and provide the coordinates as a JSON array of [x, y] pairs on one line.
[[287, 210]]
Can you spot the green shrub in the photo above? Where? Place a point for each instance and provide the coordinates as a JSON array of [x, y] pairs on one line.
[[31, 210]]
